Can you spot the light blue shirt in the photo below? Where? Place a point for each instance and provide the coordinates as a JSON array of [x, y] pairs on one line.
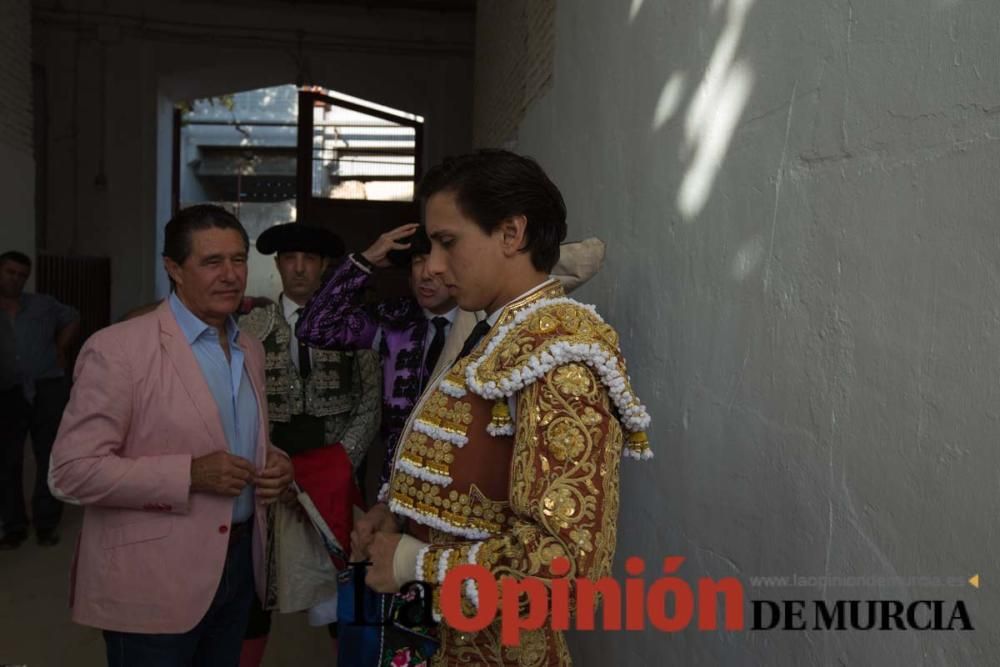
[[231, 388]]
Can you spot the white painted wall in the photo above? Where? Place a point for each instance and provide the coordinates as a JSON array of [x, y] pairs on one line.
[[800, 202], [17, 192], [420, 62]]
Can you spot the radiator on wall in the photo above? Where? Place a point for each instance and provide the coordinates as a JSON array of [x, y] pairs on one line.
[[81, 282]]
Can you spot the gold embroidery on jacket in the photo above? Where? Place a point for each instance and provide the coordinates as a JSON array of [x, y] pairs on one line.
[[563, 492]]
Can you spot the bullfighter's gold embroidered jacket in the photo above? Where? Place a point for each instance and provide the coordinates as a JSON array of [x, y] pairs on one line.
[[512, 458]]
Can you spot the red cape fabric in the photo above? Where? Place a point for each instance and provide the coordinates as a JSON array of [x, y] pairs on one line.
[[325, 473]]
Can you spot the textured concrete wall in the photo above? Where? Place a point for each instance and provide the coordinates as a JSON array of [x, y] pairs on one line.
[[515, 47], [800, 200], [17, 161], [114, 71]]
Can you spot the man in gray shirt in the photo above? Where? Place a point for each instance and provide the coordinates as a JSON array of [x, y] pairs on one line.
[[43, 330]]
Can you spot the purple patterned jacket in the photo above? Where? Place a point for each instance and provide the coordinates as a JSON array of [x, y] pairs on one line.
[[337, 318]]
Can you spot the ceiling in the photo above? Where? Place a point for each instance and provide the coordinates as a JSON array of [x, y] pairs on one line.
[[448, 6]]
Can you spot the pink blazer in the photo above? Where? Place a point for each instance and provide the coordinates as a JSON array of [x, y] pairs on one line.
[[150, 555]]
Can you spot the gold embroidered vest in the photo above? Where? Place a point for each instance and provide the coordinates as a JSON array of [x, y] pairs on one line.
[[452, 469]]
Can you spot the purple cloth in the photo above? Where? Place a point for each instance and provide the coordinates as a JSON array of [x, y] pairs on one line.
[[336, 318]]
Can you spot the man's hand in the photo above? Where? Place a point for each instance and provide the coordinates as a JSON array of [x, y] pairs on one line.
[[275, 478], [380, 576], [221, 473], [377, 520], [376, 253]]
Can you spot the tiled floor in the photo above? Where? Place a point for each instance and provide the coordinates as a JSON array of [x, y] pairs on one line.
[[35, 628]]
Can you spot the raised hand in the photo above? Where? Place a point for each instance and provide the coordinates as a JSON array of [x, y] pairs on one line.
[[378, 251]]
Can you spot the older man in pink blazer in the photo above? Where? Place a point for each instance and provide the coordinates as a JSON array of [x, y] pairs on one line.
[[164, 442]]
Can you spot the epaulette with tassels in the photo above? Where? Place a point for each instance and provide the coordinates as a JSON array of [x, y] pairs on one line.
[[259, 322], [546, 334]]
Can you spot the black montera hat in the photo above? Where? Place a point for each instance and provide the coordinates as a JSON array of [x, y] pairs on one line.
[[420, 244], [299, 237]]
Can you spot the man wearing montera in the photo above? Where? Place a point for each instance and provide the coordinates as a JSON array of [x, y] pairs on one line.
[[511, 458], [323, 405], [164, 442], [409, 333], [416, 336], [43, 330]]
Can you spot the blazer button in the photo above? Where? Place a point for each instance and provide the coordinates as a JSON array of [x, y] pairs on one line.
[[223, 529]]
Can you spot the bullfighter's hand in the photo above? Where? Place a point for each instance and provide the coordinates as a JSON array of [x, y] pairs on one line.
[[380, 576], [378, 519]]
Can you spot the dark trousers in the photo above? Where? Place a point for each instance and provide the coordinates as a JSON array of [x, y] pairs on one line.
[[41, 420], [218, 637]]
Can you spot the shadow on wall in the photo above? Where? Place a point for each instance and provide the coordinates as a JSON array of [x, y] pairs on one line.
[[714, 105]]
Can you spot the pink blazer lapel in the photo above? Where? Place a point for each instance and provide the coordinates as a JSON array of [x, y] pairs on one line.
[[254, 364], [183, 359]]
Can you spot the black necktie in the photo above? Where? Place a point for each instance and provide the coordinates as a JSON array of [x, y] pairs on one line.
[[482, 326], [305, 364], [437, 344]]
